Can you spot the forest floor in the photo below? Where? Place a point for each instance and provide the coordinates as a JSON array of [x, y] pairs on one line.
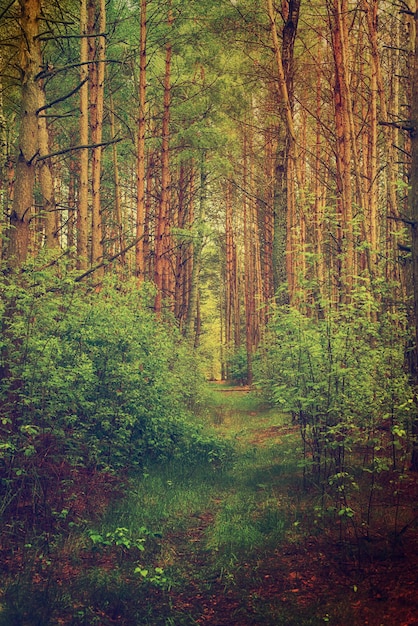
[[245, 544], [296, 571]]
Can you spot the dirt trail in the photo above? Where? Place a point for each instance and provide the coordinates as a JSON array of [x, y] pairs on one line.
[[306, 580]]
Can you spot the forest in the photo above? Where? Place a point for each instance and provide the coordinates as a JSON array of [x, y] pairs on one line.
[[209, 312]]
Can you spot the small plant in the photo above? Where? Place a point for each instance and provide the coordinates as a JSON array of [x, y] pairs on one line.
[[120, 537], [154, 576]]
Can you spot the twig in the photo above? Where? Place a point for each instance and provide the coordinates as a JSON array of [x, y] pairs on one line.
[[71, 149], [68, 95]]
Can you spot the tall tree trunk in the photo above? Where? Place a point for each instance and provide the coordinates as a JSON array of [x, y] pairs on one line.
[[117, 219], [343, 155], [230, 278], [161, 243], [319, 187], [83, 195], [193, 311], [140, 214], [71, 203], [97, 69], [28, 143], [46, 179], [413, 201], [268, 220], [3, 166], [248, 278], [284, 209]]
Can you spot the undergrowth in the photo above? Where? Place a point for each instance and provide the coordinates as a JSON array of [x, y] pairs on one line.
[[239, 539]]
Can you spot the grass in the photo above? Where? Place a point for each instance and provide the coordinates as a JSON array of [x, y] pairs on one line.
[[238, 541]]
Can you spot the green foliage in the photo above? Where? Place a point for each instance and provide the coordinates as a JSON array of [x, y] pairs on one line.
[[342, 378], [237, 366], [121, 536], [91, 380]]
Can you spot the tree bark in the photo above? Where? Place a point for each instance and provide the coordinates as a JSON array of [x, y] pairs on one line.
[[97, 69], [117, 220], [413, 202], [46, 179], [284, 204], [337, 14], [82, 213], [193, 310], [28, 142], [140, 213], [161, 235]]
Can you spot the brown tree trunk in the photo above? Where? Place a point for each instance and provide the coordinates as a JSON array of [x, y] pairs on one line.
[[97, 68], [46, 179], [83, 195], [413, 201], [140, 216], [118, 218], [285, 208], [71, 203], [268, 220], [28, 142], [3, 168], [193, 310], [161, 243], [230, 278], [248, 279], [337, 18]]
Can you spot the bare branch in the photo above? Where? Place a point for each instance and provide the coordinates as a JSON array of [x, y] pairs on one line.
[[402, 219], [400, 126], [9, 6], [48, 72], [73, 148], [107, 261], [68, 95], [76, 36]]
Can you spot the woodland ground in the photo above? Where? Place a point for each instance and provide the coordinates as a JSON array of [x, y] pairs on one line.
[[240, 544]]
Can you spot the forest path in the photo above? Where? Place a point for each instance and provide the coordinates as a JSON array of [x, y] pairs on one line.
[[250, 556]]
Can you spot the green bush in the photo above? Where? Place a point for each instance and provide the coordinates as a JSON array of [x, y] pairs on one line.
[[90, 380], [342, 378], [237, 367]]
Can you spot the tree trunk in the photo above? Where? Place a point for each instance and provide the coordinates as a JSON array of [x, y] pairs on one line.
[[97, 69], [28, 142], [3, 166], [284, 205], [344, 208], [46, 179], [71, 203], [140, 214], [82, 213], [413, 201], [268, 221], [193, 311], [161, 244], [117, 219]]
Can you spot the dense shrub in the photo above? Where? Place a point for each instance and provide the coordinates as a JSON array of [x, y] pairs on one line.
[[237, 366], [342, 378], [90, 380]]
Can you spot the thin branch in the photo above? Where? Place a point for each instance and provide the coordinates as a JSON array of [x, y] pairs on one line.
[[48, 72], [73, 148], [107, 261], [68, 95], [405, 152], [396, 48], [76, 36], [397, 125], [9, 6], [402, 219]]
